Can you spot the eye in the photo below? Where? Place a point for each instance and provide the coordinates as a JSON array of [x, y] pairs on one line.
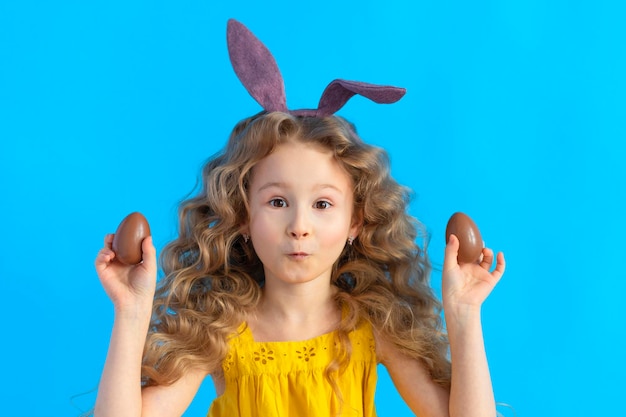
[[278, 203], [322, 205]]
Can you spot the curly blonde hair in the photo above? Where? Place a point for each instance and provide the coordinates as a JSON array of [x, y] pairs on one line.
[[213, 279]]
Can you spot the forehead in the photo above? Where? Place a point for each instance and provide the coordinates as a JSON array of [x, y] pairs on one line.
[[296, 164]]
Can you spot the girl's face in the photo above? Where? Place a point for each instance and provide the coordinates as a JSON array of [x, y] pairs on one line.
[[301, 204]]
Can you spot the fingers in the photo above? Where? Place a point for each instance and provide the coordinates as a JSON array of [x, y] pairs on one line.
[[500, 266], [105, 255], [487, 263], [451, 253], [104, 258], [149, 251], [487, 259], [108, 240]]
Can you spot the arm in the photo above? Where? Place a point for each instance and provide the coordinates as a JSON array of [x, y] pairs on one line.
[[131, 288], [424, 397], [464, 288], [119, 391], [471, 392]]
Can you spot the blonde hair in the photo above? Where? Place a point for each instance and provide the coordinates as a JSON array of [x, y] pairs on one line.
[[213, 279]]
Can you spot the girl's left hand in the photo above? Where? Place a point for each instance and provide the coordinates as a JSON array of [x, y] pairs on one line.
[[468, 284]]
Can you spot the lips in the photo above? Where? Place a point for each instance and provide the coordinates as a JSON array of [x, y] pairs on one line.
[[298, 255]]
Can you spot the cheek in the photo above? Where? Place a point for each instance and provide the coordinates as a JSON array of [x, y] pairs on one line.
[[336, 233], [262, 228], [262, 238]]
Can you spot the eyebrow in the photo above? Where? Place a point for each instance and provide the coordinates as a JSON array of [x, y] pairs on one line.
[[284, 185]]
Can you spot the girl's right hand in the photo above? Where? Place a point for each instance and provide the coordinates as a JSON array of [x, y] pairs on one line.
[[128, 286]]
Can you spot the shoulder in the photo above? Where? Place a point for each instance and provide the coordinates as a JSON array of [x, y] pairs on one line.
[[383, 346]]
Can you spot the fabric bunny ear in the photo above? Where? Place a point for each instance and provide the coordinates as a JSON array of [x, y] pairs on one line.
[[256, 68], [338, 92]]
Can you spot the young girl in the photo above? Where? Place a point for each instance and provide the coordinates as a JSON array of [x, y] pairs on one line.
[[296, 271]]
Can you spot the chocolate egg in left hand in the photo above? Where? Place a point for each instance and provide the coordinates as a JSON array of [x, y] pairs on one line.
[[470, 240], [128, 237]]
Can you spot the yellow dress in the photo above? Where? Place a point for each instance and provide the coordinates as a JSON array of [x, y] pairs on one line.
[[270, 379]]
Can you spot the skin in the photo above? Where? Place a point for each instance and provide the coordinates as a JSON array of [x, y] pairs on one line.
[[300, 219], [301, 204]]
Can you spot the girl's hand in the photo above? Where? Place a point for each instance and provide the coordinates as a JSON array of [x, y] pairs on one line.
[[128, 286], [468, 284]]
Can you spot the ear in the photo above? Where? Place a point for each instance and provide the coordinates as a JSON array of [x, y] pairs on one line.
[[357, 224], [256, 68], [338, 92]]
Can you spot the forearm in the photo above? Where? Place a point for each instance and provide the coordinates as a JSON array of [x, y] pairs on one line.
[[119, 392], [471, 390]]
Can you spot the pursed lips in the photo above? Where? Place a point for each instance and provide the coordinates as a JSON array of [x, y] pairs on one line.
[[298, 255]]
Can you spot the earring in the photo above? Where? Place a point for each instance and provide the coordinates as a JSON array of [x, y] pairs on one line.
[[246, 237], [350, 240]]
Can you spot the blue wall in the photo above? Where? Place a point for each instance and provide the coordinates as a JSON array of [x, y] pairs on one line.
[[515, 114]]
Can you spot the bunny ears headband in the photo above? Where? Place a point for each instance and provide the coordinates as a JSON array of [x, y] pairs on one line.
[[258, 72]]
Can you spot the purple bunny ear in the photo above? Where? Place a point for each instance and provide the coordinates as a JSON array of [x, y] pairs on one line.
[[338, 92], [256, 68]]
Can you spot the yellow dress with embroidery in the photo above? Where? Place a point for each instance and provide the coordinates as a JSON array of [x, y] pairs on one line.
[[287, 378]]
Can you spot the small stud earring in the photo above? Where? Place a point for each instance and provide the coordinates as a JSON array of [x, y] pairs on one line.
[[246, 237], [350, 240]]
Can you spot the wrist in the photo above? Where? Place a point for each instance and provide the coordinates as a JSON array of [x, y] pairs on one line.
[[134, 312], [456, 313]]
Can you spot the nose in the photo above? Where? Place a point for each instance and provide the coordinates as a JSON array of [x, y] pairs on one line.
[[300, 223]]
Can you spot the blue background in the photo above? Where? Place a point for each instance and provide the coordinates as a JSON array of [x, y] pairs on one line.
[[515, 114]]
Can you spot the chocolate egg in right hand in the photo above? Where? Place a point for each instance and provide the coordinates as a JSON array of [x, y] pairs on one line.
[[128, 237], [470, 240]]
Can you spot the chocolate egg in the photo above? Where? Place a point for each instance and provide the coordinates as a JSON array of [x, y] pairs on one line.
[[128, 237], [470, 241]]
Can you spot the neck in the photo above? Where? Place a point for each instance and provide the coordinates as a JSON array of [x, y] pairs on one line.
[[298, 303]]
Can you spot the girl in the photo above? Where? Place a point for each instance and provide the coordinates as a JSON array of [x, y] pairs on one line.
[[295, 272]]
